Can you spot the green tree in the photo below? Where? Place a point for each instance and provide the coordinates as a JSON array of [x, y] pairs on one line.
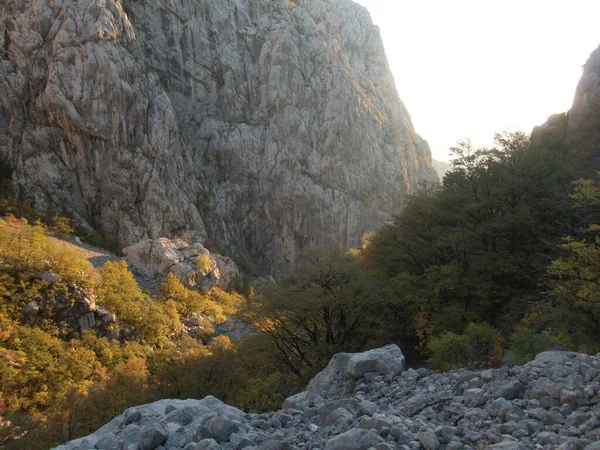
[[318, 310], [568, 317], [476, 248]]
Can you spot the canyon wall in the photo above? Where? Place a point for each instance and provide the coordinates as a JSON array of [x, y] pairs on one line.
[[263, 127]]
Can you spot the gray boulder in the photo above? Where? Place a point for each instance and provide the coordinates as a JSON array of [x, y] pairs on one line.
[[156, 257], [388, 360], [355, 439]]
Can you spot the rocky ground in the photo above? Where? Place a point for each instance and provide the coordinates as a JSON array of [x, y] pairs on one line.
[[369, 401]]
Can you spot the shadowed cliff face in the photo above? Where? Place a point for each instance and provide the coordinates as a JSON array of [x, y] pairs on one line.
[[579, 129], [583, 129], [265, 126]]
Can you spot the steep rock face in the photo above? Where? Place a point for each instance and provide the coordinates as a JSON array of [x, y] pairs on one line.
[[85, 126], [579, 129], [267, 126], [583, 128]]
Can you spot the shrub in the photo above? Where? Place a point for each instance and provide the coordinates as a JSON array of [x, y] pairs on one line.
[[448, 351], [154, 322], [526, 343], [479, 346], [27, 251]]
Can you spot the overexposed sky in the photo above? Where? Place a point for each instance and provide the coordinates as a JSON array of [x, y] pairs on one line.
[[467, 68]]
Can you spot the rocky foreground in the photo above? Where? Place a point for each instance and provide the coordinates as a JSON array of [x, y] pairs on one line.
[[369, 401]]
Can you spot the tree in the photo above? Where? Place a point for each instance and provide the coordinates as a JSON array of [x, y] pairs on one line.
[[476, 248], [154, 322], [318, 310]]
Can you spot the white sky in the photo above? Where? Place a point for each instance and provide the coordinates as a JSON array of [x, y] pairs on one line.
[[470, 68]]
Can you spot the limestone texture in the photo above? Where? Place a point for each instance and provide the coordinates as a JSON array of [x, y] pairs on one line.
[[193, 265], [265, 126]]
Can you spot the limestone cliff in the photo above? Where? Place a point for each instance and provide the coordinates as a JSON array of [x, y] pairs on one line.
[[579, 129], [265, 126]]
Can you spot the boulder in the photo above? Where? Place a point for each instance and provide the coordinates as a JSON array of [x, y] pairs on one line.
[[151, 436], [229, 274], [48, 276], [193, 264], [355, 439], [429, 440], [388, 360], [383, 412], [222, 428]]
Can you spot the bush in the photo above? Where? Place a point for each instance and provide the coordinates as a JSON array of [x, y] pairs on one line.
[[26, 252], [479, 346], [154, 322], [526, 343]]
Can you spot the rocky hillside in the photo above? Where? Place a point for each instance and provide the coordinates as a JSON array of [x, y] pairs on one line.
[[368, 400], [441, 167], [578, 128], [264, 126]]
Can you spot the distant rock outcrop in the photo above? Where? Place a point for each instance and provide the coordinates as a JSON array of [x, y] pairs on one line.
[[193, 264], [266, 125], [368, 401], [578, 129], [441, 168], [73, 310]]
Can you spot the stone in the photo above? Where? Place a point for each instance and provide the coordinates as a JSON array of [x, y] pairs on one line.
[[553, 357], [508, 445], [337, 415], [132, 415], [157, 257], [182, 416], [350, 405], [274, 445], [208, 444], [475, 397], [388, 360], [151, 436], [511, 390], [399, 422], [107, 442], [86, 322], [568, 396], [240, 442], [222, 428], [31, 308], [548, 402], [109, 318], [499, 406], [429, 440], [374, 424], [368, 408], [50, 277], [355, 439]]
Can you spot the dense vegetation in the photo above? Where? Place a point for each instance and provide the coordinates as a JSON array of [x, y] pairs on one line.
[[57, 384], [504, 254], [491, 245]]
